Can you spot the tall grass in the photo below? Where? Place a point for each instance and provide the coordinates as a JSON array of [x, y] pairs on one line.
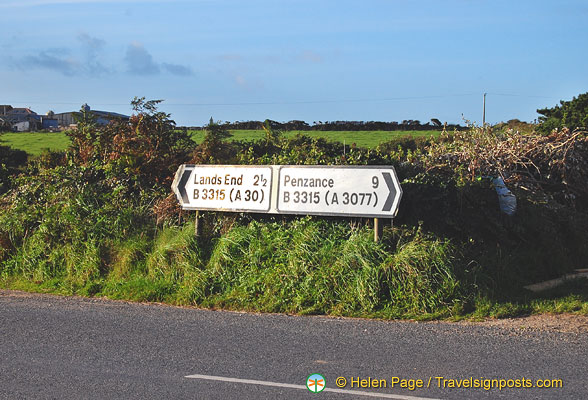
[[304, 266], [307, 266]]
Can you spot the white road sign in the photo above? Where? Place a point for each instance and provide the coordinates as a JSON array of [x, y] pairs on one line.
[[362, 191], [368, 191], [224, 187]]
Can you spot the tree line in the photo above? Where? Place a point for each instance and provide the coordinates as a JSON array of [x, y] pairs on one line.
[[297, 125]]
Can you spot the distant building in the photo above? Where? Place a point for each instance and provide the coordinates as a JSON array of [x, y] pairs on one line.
[[67, 119], [22, 126], [22, 119], [22, 113], [4, 123], [49, 122], [4, 108], [25, 119]]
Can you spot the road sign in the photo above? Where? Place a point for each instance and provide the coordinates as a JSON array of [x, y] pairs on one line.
[[366, 191], [361, 191], [224, 187]]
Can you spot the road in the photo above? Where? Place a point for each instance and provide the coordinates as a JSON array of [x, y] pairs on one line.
[[72, 348]]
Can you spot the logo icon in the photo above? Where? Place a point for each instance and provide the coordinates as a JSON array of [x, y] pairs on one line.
[[315, 383]]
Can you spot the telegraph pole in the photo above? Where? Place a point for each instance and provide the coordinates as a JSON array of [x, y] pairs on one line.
[[484, 112]]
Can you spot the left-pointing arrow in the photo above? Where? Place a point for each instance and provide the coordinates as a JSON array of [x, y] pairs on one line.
[[182, 185]]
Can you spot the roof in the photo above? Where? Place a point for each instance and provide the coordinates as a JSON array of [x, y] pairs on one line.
[[109, 114], [98, 113], [22, 111]]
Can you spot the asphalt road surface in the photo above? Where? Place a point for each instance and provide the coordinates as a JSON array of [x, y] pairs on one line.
[[72, 348]]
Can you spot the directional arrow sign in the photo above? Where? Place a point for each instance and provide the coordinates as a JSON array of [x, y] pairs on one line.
[[361, 191], [367, 191], [224, 187]]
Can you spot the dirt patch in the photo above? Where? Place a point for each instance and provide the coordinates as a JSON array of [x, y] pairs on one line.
[[569, 323]]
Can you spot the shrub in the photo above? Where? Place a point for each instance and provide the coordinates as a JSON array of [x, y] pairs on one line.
[[570, 114], [145, 151], [215, 149]]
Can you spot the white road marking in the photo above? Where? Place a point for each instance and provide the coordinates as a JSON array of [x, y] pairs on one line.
[[292, 386]]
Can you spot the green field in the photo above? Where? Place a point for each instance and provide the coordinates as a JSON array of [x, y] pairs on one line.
[[35, 142], [360, 138]]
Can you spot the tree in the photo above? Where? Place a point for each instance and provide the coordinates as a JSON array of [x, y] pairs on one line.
[[215, 134], [147, 148], [85, 136], [214, 148], [570, 114], [272, 135]]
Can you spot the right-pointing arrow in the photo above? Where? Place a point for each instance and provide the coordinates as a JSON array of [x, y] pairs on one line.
[[392, 195]]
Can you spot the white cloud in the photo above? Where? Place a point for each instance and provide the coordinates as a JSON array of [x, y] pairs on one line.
[[50, 60], [140, 62], [67, 62], [177, 69], [92, 47]]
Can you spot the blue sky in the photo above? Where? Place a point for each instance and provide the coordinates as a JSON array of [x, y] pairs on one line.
[[317, 60]]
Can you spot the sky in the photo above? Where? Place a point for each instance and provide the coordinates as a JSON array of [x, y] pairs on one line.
[[311, 60]]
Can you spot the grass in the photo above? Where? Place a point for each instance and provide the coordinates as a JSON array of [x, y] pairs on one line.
[[571, 297], [35, 142], [303, 266]]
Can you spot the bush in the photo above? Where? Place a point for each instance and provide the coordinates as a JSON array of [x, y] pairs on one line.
[[145, 151], [65, 216], [11, 160], [214, 149], [570, 114]]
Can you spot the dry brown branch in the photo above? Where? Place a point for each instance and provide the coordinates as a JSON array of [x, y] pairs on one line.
[[557, 163]]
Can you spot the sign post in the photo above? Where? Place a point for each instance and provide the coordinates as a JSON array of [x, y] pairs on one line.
[[378, 229], [348, 191], [197, 224], [224, 187], [354, 191]]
